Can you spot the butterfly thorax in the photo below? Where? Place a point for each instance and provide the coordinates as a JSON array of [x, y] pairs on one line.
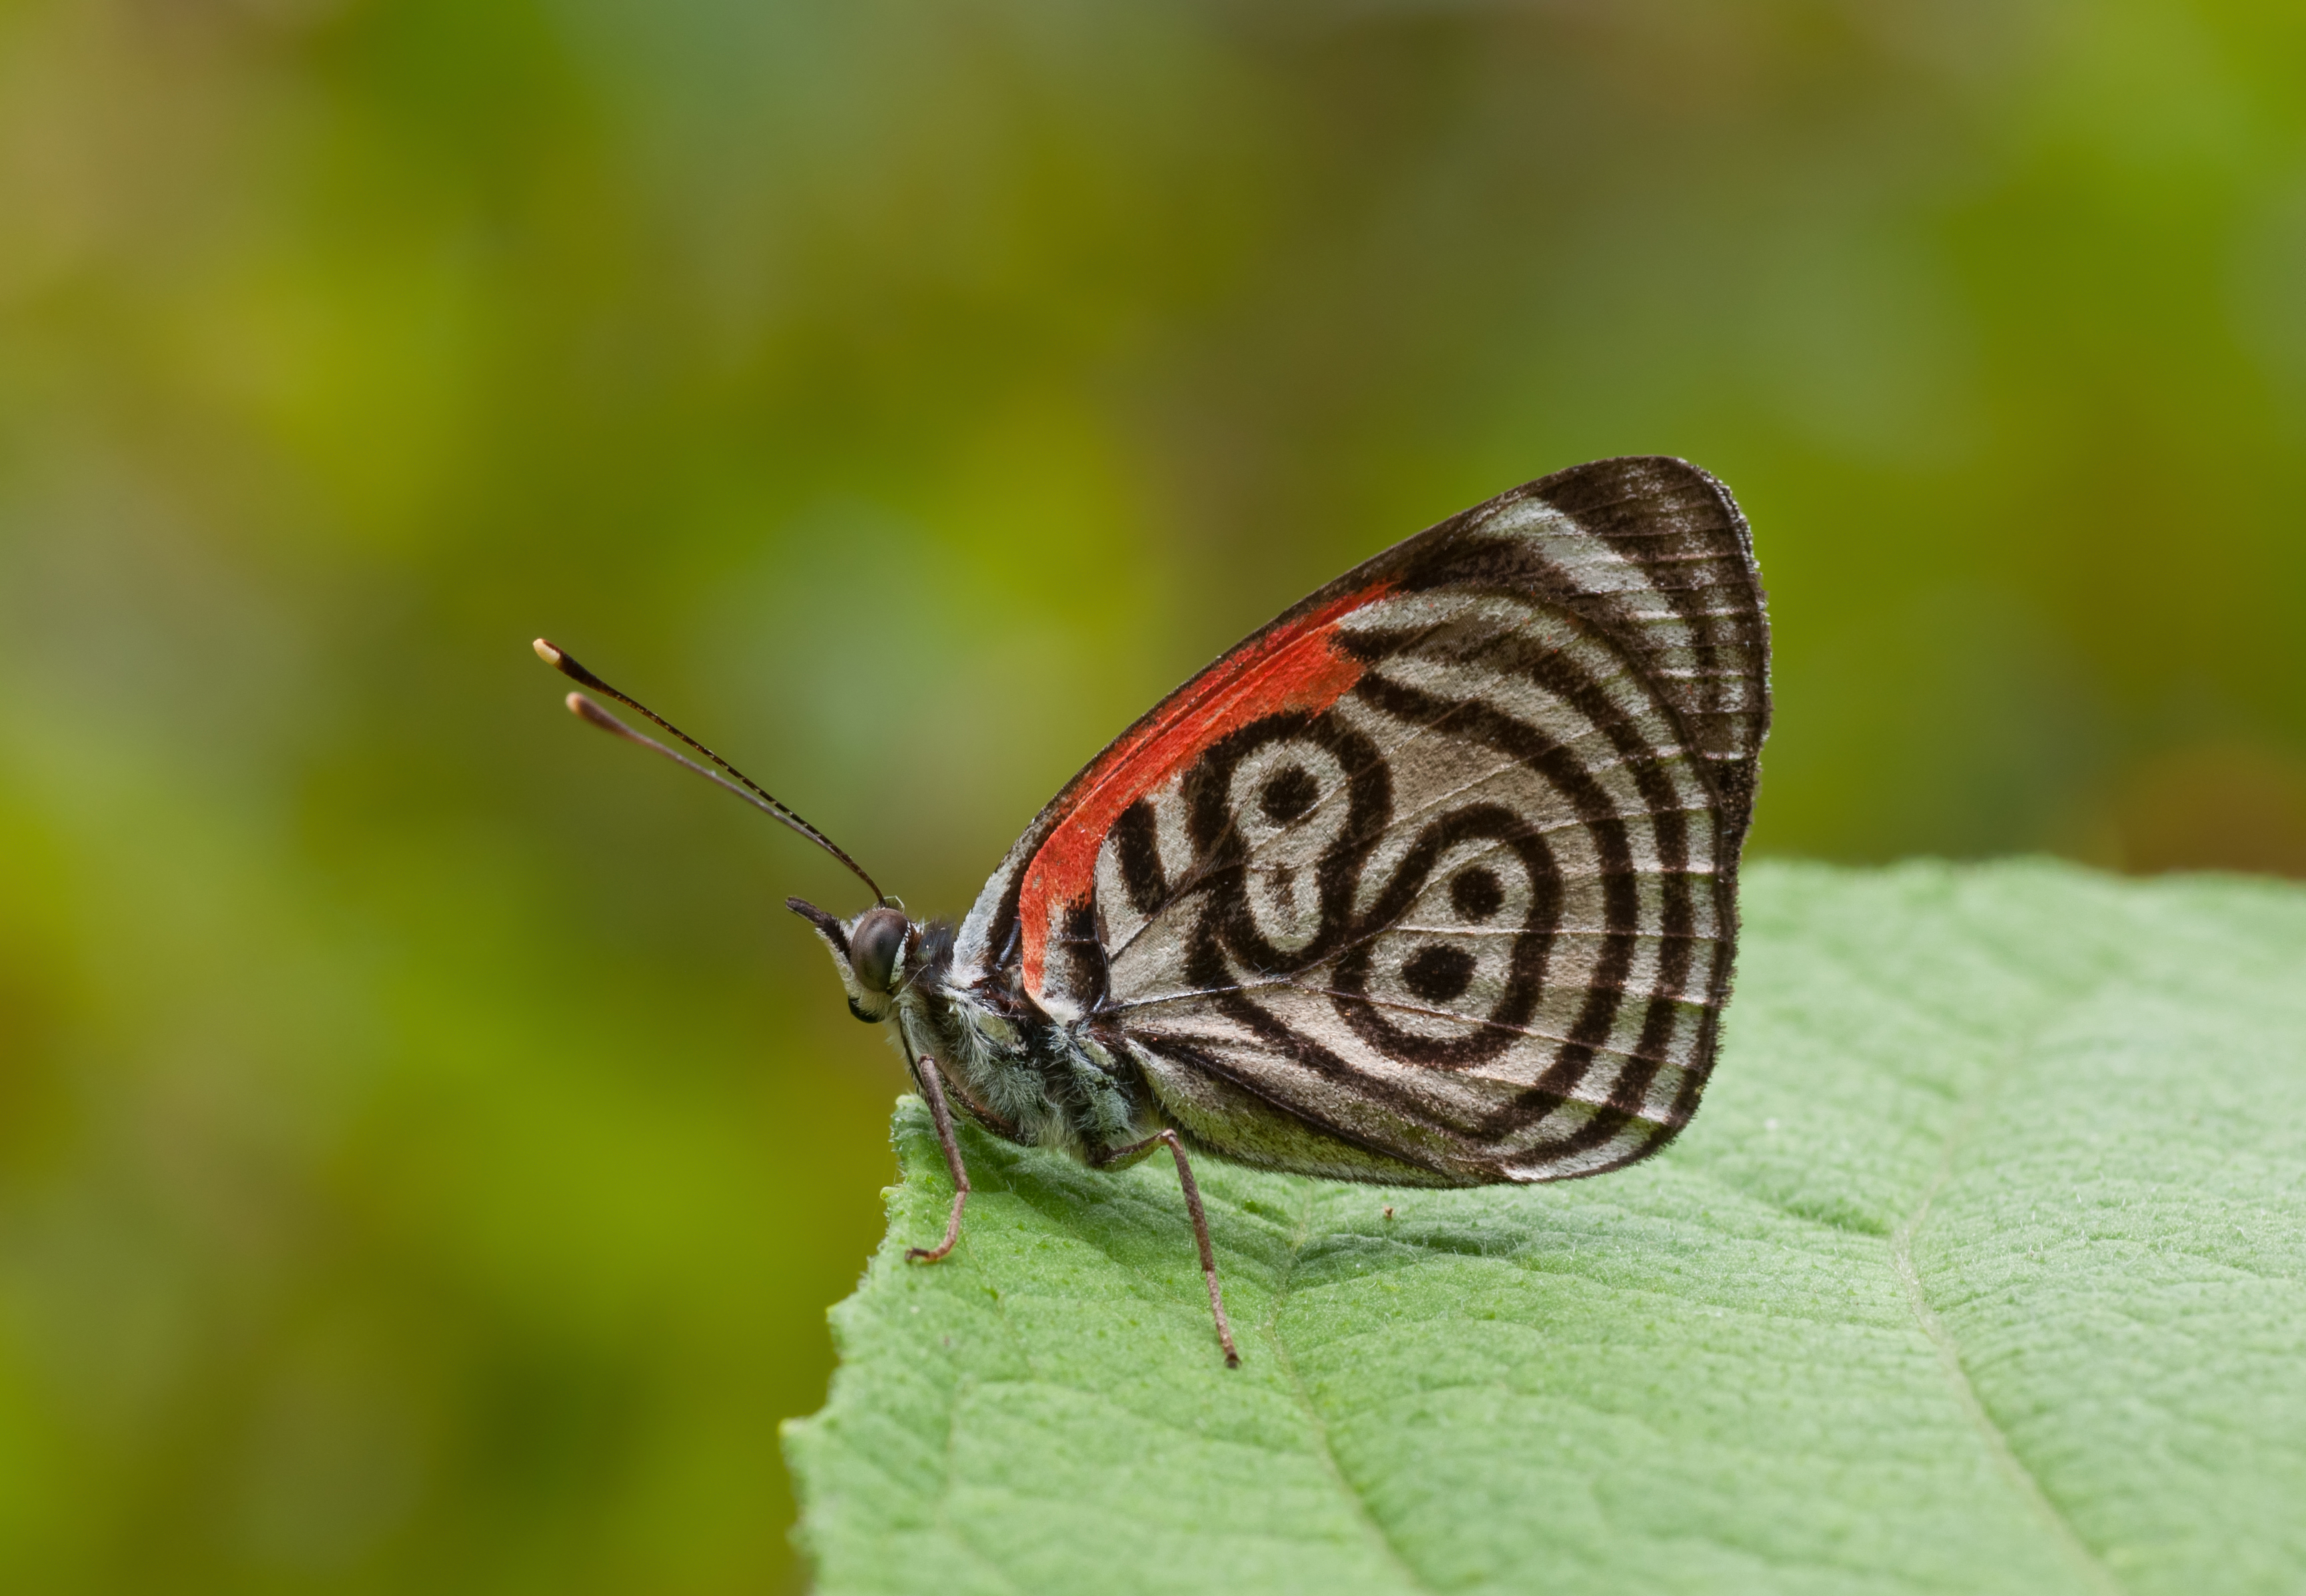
[[1025, 1075]]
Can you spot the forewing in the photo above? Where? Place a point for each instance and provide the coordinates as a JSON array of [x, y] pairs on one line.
[[1433, 877]]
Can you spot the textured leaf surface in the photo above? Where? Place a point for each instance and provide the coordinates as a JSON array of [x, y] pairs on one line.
[[1983, 1268]]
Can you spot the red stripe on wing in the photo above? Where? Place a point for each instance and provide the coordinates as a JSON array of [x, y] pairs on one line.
[[1292, 667]]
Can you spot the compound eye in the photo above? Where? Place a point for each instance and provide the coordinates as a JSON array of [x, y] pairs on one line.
[[874, 947]]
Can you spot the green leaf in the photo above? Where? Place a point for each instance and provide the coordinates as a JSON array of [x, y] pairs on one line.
[[1980, 1271]]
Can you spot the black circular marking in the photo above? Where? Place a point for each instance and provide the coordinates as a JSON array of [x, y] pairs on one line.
[[1220, 818], [1288, 793], [1437, 972], [1474, 893], [1522, 974]]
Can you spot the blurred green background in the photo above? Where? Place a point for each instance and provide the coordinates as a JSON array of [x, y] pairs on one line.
[[427, 1148]]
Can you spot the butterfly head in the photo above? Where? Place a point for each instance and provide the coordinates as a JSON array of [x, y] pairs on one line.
[[873, 953]]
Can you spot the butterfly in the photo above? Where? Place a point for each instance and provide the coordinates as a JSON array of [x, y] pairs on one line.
[[1431, 880]]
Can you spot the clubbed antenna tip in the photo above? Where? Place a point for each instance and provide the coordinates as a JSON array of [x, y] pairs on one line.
[[564, 662], [593, 715], [742, 785]]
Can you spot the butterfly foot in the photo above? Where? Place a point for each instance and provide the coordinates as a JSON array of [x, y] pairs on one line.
[[929, 1255], [932, 1088]]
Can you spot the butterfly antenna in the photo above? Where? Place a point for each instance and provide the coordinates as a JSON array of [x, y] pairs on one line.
[[736, 781]]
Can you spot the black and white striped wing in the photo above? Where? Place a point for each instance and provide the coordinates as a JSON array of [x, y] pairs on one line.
[[1442, 890]]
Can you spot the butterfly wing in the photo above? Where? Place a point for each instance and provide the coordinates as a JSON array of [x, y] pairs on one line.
[[1432, 879]]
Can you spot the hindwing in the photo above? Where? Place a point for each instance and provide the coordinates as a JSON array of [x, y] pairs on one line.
[[1433, 878]]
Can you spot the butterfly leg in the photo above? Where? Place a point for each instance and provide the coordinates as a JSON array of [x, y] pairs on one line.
[[1201, 1226], [932, 1088]]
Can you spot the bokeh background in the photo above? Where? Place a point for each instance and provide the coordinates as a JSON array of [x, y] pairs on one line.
[[427, 1148]]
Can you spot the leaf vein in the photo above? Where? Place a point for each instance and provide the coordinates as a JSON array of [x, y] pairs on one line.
[[1314, 1423], [2006, 1457]]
